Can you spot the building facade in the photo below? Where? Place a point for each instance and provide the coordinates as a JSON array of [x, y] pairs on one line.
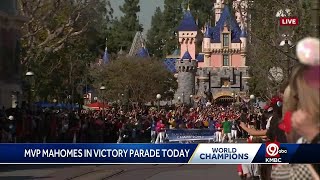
[[219, 72], [10, 72]]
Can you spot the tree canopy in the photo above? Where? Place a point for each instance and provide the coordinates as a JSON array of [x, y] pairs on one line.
[[122, 31], [58, 41], [265, 35], [140, 80]]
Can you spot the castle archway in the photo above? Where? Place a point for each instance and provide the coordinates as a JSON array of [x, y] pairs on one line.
[[223, 98]]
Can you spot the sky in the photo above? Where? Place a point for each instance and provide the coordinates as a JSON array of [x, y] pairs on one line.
[[147, 8]]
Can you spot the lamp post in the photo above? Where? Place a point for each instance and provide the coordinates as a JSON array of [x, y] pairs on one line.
[[233, 97], [315, 17], [102, 89], [55, 102], [182, 98], [191, 96], [29, 76], [122, 100], [285, 43], [252, 97], [179, 99], [158, 100]]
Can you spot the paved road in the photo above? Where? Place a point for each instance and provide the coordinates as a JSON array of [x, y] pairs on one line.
[[119, 172]]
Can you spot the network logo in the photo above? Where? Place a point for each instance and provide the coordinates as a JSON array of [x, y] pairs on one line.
[[272, 149], [273, 152]]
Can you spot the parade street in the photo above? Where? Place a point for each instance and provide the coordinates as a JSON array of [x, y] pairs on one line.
[[117, 172]]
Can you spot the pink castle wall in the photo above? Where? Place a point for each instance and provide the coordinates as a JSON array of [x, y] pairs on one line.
[[190, 47], [201, 64], [216, 60], [236, 60]]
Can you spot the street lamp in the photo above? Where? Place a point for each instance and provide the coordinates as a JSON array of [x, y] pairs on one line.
[[191, 96], [252, 97], [285, 32], [102, 89], [158, 99], [29, 76], [179, 99]]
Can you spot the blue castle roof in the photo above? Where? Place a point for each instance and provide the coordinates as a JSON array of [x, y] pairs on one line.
[[170, 64], [186, 56], [200, 57], [228, 19], [188, 23], [243, 33], [207, 33], [143, 52], [106, 56]]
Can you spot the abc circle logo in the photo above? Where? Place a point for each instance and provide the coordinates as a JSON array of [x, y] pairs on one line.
[[272, 149]]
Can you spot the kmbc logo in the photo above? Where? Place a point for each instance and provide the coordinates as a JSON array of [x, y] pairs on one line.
[[273, 152], [289, 21]]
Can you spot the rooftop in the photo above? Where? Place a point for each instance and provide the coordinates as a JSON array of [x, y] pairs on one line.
[[188, 23]]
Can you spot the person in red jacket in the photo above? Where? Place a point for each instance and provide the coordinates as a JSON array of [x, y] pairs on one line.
[[218, 133], [160, 129]]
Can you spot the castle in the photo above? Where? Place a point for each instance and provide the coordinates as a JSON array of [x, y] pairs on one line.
[[218, 73]]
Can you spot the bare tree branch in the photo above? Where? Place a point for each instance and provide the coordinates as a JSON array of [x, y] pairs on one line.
[[40, 35]]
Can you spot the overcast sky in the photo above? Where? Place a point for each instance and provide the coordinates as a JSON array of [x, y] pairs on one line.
[[147, 8]]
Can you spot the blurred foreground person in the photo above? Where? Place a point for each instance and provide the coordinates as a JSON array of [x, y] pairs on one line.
[[302, 114]]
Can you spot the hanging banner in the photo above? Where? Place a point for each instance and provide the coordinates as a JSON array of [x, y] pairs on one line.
[[175, 135]]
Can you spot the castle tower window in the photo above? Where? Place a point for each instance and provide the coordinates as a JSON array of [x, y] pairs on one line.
[[225, 60], [225, 40]]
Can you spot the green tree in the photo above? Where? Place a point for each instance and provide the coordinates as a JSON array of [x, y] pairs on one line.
[[202, 11], [59, 40], [265, 35], [140, 80], [123, 30], [52, 23], [154, 35], [172, 15]]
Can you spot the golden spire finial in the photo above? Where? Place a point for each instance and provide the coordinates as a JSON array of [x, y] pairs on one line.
[[188, 5]]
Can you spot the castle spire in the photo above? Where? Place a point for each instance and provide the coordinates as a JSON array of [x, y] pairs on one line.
[[106, 44], [106, 54], [188, 5]]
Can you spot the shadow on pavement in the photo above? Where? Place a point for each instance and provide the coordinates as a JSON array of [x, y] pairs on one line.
[[21, 177]]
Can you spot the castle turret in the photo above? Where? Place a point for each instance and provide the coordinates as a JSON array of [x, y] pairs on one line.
[[218, 8], [186, 68], [188, 30], [243, 38], [207, 46]]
